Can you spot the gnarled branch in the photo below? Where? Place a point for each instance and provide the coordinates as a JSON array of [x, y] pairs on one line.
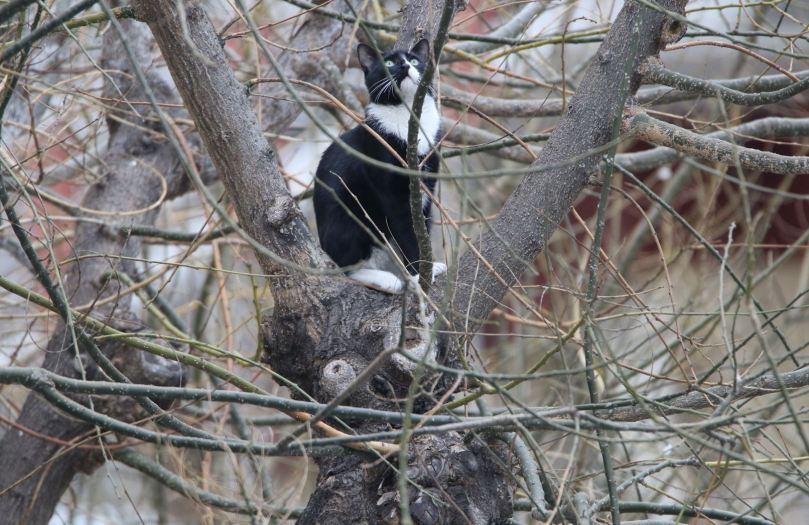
[[710, 149]]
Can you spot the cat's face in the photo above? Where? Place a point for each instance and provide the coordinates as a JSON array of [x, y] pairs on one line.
[[404, 68]]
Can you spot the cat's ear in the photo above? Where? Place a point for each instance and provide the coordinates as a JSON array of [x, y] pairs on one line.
[[367, 57], [422, 50]]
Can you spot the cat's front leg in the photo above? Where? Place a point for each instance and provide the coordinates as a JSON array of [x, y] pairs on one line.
[[438, 269]]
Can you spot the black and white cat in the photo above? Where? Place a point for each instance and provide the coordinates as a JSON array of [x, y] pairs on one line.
[[362, 209]]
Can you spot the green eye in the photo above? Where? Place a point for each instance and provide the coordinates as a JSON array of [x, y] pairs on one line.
[[414, 62], [388, 63]]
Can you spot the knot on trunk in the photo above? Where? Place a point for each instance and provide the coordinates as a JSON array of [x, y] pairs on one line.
[[336, 377], [281, 211], [672, 31]]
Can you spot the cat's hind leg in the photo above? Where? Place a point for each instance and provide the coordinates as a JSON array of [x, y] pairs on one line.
[[378, 279], [379, 271]]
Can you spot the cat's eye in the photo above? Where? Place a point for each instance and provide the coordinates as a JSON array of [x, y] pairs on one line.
[[388, 63], [414, 62]]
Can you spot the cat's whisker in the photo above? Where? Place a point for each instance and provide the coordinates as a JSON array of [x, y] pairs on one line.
[[386, 84], [384, 90], [373, 92], [377, 84], [389, 86]]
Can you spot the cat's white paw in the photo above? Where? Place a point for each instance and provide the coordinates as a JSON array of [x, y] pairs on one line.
[[378, 279], [438, 269], [413, 282]]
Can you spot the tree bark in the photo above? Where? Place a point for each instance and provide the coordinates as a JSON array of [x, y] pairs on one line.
[[34, 473]]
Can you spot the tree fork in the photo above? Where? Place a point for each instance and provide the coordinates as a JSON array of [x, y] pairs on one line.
[[325, 329]]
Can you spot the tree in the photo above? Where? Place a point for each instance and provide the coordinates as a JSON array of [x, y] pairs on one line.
[[375, 377]]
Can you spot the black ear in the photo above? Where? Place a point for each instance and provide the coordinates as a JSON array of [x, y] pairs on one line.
[[422, 50], [367, 57]]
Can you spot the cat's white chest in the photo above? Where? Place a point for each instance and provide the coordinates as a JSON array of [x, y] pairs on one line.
[[394, 120]]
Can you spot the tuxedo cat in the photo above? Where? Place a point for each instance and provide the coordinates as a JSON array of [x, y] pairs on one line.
[[363, 209]]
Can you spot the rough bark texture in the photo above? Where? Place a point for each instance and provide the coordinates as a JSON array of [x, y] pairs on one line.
[[535, 209], [686, 142], [127, 183], [420, 19]]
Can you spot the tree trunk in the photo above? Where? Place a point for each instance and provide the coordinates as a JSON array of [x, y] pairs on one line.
[[35, 472]]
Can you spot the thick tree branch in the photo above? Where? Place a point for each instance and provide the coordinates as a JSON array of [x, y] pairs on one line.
[[654, 72], [231, 134], [547, 418], [710, 397], [544, 197], [649, 129], [656, 95], [766, 128]]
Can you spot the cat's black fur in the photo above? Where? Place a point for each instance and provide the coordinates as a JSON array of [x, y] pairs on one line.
[[376, 197]]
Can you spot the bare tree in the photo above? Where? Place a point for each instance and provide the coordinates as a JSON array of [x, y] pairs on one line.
[[381, 386]]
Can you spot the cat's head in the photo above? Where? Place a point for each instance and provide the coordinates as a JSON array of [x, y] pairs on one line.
[[405, 68]]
